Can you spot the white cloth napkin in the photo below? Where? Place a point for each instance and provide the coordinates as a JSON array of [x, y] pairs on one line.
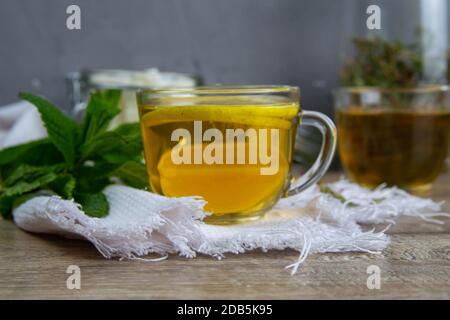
[[20, 122], [140, 222]]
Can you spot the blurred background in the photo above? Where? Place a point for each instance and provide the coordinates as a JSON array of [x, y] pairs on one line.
[[295, 42], [292, 42]]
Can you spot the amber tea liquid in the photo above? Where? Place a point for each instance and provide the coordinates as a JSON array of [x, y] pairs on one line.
[[227, 188], [401, 148]]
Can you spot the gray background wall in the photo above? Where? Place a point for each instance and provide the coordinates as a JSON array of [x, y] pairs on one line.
[[295, 42]]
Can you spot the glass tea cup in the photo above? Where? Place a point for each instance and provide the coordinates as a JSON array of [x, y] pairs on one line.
[[395, 136], [233, 146]]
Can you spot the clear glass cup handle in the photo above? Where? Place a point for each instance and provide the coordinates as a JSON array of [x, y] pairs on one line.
[[323, 161]]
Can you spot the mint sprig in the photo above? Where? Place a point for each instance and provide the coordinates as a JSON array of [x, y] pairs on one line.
[[77, 160], [62, 131]]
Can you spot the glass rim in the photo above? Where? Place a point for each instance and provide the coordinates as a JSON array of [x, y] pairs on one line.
[[219, 89], [84, 76], [437, 88]]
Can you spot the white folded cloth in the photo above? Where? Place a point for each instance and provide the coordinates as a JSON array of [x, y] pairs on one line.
[[20, 122], [140, 222]]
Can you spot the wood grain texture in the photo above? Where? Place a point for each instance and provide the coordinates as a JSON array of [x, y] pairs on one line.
[[416, 265]]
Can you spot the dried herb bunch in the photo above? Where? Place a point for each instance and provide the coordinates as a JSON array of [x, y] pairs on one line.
[[382, 63]]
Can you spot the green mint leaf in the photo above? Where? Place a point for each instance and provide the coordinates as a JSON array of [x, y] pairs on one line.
[[326, 189], [6, 204], [74, 161], [116, 146], [97, 170], [10, 194], [127, 146], [20, 172], [45, 155], [119, 158], [40, 155], [134, 174], [101, 109], [95, 177], [25, 172], [62, 130], [91, 185], [24, 186], [21, 152], [93, 204], [64, 186]]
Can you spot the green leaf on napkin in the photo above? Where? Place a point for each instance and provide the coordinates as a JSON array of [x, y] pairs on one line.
[[77, 160], [64, 185], [326, 189], [133, 174], [8, 195], [94, 204]]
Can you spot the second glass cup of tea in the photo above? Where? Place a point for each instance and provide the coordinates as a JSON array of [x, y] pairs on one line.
[[399, 137], [233, 146]]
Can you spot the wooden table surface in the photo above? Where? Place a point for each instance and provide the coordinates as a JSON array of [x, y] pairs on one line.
[[415, 265]]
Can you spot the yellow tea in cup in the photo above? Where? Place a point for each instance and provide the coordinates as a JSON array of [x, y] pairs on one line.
[[233, 150]]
